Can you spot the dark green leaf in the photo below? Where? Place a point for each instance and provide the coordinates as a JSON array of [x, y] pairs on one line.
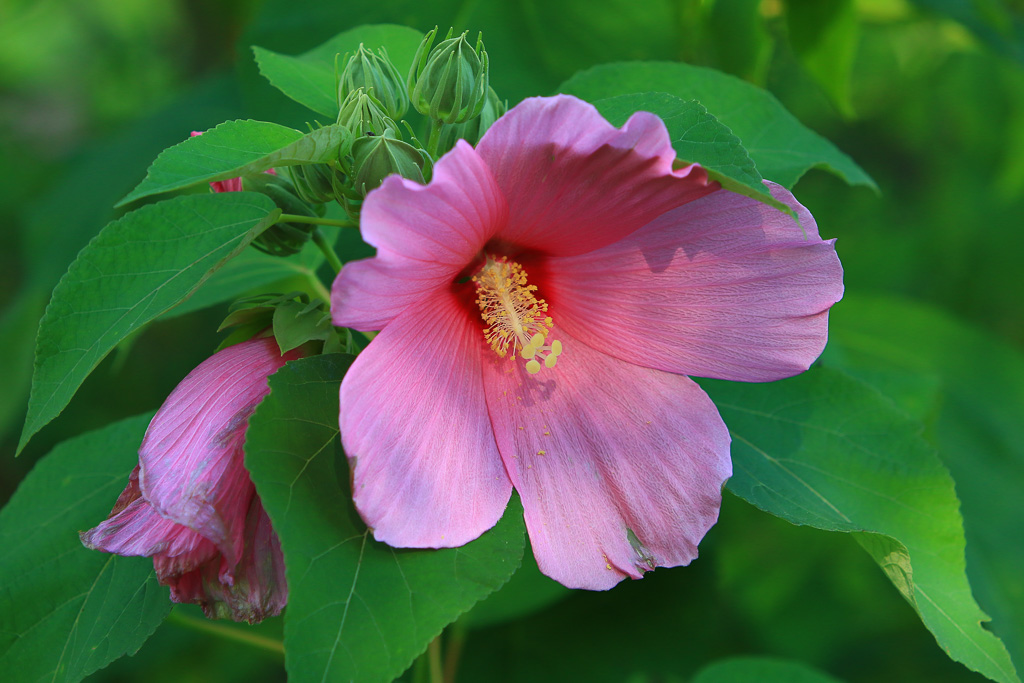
[[310, 78], [826, 450], [739, 38], [66, 611], [760, 670], [136, 269], [232, 149], [824, 36], [696, 136], [357, 609], [970, 388], [782, 148]]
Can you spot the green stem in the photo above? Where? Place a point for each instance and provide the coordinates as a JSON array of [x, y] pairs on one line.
[[327, 249], [435, 137], [294, 218], [227, 633], [456, 639], [434, 659]]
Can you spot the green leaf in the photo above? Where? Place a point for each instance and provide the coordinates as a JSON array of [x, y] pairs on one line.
[[357, 609], [976, 389], [132, 272], [696, 136], [782, 148], [310, 78], [232, 149], [828, 451], [760, 670], [824, 37], [991, 20], [739, 38], [66, 611]]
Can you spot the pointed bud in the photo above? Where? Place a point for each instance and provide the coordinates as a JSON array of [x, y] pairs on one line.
[[471, 131], [449, 82], [377, 76], [377, 157], [363, 114]]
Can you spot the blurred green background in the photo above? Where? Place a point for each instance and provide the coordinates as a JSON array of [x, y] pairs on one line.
[[927, 96]]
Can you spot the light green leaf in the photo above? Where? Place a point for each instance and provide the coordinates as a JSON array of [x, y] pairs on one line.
[[782, 148], [133, 271], [66, 611], [310, 78], [826, 450], [976, 388], [760, 670], [357, 609], [696, 136], [824, 37], [232, 149]]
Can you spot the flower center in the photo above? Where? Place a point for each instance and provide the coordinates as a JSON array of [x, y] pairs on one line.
[[515, 317]]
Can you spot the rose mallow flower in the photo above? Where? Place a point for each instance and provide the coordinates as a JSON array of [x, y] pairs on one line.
[[190, 504], [540, 303]]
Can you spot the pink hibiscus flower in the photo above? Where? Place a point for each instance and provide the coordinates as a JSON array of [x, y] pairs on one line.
[[190, 504], [540, 303]]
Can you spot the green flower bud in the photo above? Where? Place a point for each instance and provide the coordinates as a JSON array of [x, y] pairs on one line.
[[317, 183], [377, 76], [377, 157], [363, 114], [449, 82], [471, 131], [281, 239]]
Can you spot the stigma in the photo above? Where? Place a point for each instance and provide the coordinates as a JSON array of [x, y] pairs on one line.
[[516, 319]]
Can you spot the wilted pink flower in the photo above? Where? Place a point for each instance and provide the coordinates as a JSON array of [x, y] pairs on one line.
[[190, 503], [231, 184], [540, 303]]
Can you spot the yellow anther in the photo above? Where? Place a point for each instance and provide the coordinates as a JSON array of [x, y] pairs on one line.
[[528, 352], [533, 367], [556, 348], [550, 361], [537, 340]]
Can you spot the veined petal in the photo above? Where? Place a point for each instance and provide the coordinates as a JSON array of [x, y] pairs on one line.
[[257, 589], [192, 469], [426, 470], [134, 528], [620, 468], [723, 287], [574, 182], [424, 234]]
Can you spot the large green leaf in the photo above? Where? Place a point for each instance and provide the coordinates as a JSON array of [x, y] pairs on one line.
[[696, 136], [232, 149], [357, 609], [782, 148], [66, 611], [760, 670], [136, 269], [310, 78], [976, 385], [826, 450]]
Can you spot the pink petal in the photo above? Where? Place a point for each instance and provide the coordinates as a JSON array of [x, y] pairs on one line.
[[191, 457], [135, 529], [574, 182], [424, 234], [723, 287], [619, 467], [258, 589], [426, 470]]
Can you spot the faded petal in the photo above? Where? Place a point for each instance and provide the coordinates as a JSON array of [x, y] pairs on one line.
[[426, 470], [191, 458], [620, 468], [723, 287], [258, 589], [424, 234], [134, 528], [574, 182]]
